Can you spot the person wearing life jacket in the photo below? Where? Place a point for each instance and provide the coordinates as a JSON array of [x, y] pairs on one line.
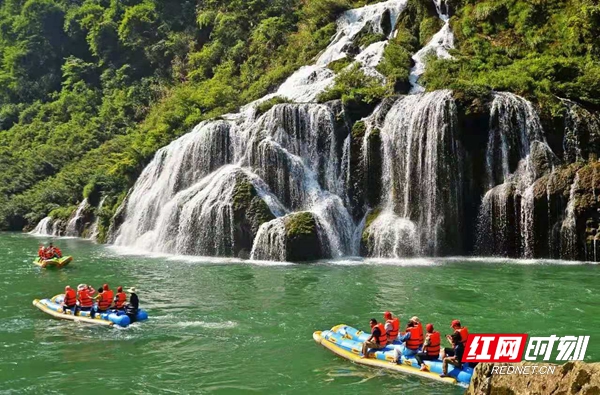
[[103, 302], [412, 339], [462, 331], [57, 252], [458, 349], [377, 340], [42, 252], [392, 326], [70, 300], [120, 299], [431, 347], [85, 298], [109, 293]]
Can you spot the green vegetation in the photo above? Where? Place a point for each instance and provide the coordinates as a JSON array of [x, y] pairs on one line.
[[92, 88], [268, 104], [539, 49]]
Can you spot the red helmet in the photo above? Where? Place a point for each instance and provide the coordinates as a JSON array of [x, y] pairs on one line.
[[105, 287], [120, 289], [455, 323], [387, 315], [429, 328]]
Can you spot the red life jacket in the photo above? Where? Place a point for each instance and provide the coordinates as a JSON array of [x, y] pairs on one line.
[[85, 300], [41, 253], [464, 335], [393, 333], [104, 302], [382, 339], [416, 338], [433, 348], [70, 298], [110, 294], [58, 252], [120, 300], [48, 254]]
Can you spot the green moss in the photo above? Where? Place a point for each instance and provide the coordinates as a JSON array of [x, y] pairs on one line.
[[242, 194], [62, 213], [358, 130], [259, 213], [340, 64], [428, 28], [300, 224], [369, 38], [268, 104]]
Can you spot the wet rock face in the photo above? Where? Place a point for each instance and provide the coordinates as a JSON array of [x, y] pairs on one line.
[[570, 378], [303, 241]]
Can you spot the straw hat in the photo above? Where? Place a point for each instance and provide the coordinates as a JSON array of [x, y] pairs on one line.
[[132, 290]]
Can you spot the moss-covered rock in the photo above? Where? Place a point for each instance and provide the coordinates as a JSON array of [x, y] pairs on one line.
[[268, 104], [305, 240], [249, 212], [365, 247], [338, 65]]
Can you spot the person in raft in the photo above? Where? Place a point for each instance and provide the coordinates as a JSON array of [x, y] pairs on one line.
[[458, 349], [120, 299], [53, 252], [103, 302], [462, 330], [109, 293], [84, 295], [431, 347], [70, 300], [377, 340], [131, 308], [412, 339], [392, 326]]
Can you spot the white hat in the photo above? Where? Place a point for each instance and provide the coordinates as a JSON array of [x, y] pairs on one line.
[[416, 319], [132, 290]]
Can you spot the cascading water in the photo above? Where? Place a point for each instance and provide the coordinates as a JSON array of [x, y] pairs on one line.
[[43, 228], [568, 230], [94, 229], [74, 225], [290, 156], [514, 130], [439, 45], [422, 169]]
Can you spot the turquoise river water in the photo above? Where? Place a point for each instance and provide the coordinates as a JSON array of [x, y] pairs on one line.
[[229, 327]]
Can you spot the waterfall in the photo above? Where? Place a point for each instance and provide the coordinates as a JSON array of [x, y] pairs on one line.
[[74, 225], [568, 230], [288, 160], [422, 169], [43, 228], [309, 81], [582, 132], [515, 134], [439, 45], [94, 229]]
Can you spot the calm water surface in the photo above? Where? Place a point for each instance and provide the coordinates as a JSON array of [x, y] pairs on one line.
[[226, 327]]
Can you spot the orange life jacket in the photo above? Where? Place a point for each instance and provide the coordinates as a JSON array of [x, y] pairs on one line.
[[433, 348], [393, 333], [120, 300], [104, 302], [416, 338], [111, 294], [85, 300], [464, 335], [70, 298], [383, 337]]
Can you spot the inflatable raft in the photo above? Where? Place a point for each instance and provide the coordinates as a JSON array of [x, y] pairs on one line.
[[346, 342], [112, 317], [54, 262]]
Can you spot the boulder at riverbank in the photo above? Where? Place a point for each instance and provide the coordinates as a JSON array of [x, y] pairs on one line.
[[570, 378]]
